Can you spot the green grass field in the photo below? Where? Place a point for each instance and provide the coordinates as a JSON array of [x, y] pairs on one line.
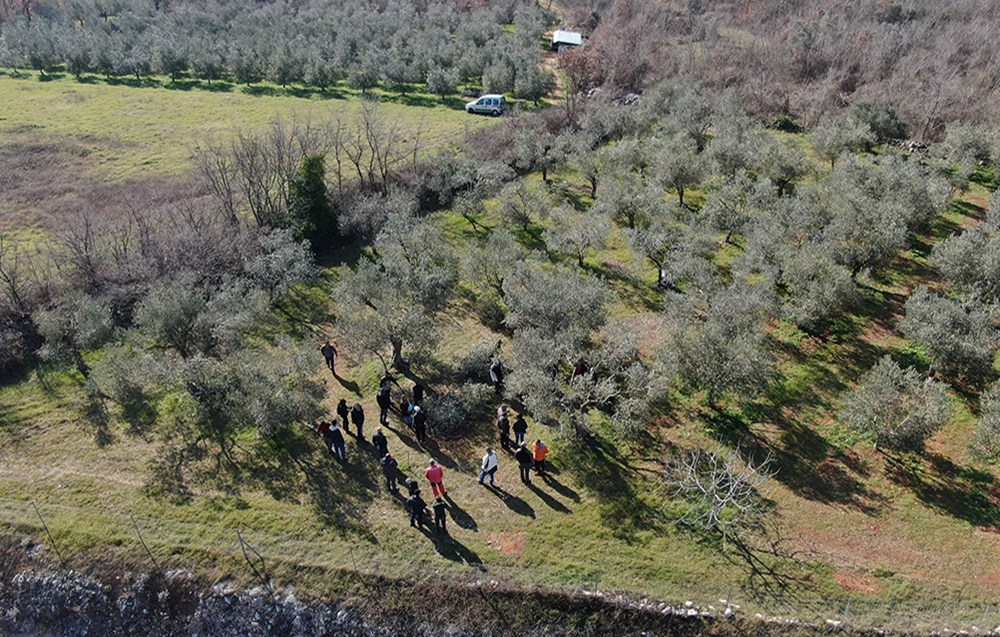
[[861, 524]]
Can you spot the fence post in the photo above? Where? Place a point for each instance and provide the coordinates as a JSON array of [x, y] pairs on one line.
[[135, 525], [52, 541]]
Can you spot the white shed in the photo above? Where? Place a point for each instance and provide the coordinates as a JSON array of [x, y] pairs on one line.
[[562, 38]]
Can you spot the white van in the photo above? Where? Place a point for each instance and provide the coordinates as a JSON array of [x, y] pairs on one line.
[[488, 105]]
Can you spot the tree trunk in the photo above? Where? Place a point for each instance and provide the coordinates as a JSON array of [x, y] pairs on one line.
[[397, 353], [81, 365]]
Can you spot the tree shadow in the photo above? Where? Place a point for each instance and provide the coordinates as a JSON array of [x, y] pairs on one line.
[[551, 502], [339, 492], [622, 501], [514, 503], [218, 86], [964, 493]]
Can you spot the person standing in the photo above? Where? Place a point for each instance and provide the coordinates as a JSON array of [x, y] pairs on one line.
[[385, 381], [412, 486], [358, 418], [489, 465], [329, 353], [416, 505], [337, 442], [538, 452], [381, 443], [418, 393], [323, 429], [496, 374], [523, 457], [420, 424], [384, 401], [406, 411], [520, 429], [503, 426], [440, 516], [389, 465], [342, 411], [435, 475]]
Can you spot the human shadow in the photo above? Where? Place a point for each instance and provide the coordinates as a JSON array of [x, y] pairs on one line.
[[552, 503], [460, 516], [349, 385], [450, 548], [514, 503], [558, 487], [440, 456]]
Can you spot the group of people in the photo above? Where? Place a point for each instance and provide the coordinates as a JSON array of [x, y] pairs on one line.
[[415, 417], [527, 458], [333, 435]]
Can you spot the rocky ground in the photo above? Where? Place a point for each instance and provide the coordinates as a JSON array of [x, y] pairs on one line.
[[38, 600]]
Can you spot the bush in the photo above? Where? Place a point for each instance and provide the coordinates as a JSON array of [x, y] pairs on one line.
[[490, 310], [451, 413], [475, 365]]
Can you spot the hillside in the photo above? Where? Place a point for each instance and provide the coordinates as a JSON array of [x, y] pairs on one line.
[[684, 299]]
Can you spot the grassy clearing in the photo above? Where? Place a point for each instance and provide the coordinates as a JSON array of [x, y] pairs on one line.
[[128, 132]]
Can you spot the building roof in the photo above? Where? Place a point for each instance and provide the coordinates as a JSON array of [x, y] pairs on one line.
[[567, 37]]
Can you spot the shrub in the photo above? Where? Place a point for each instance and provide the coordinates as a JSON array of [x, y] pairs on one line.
[[475, 365], [451, 413]]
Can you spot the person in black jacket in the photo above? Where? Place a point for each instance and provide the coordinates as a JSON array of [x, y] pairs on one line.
[[520, 429], [389, 465], [329, 353], [418, 393], [384, 400], [358, 418], [503, 426], [342, 411], [412, 486], [524, 460], [416, 505], [440, 516], [381, 443], [420, 424]]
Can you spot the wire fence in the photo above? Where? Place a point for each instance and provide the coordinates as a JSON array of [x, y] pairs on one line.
[[164, 543]]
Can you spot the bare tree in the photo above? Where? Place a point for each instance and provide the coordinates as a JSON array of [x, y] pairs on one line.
[[721, 490]]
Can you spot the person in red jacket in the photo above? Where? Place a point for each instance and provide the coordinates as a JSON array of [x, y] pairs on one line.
[[435, 475]]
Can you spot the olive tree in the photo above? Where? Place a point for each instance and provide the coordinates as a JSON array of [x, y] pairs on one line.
[[575, 234], [719, 345], [197, 318], [959, 335], [77, 322], [678, 164], [896, 407], [971, 261], [815, 288], [836, 135], [987, 436], [394, 300], [492, 261]]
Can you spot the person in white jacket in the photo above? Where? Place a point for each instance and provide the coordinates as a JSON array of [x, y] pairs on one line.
[[490, 464]]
